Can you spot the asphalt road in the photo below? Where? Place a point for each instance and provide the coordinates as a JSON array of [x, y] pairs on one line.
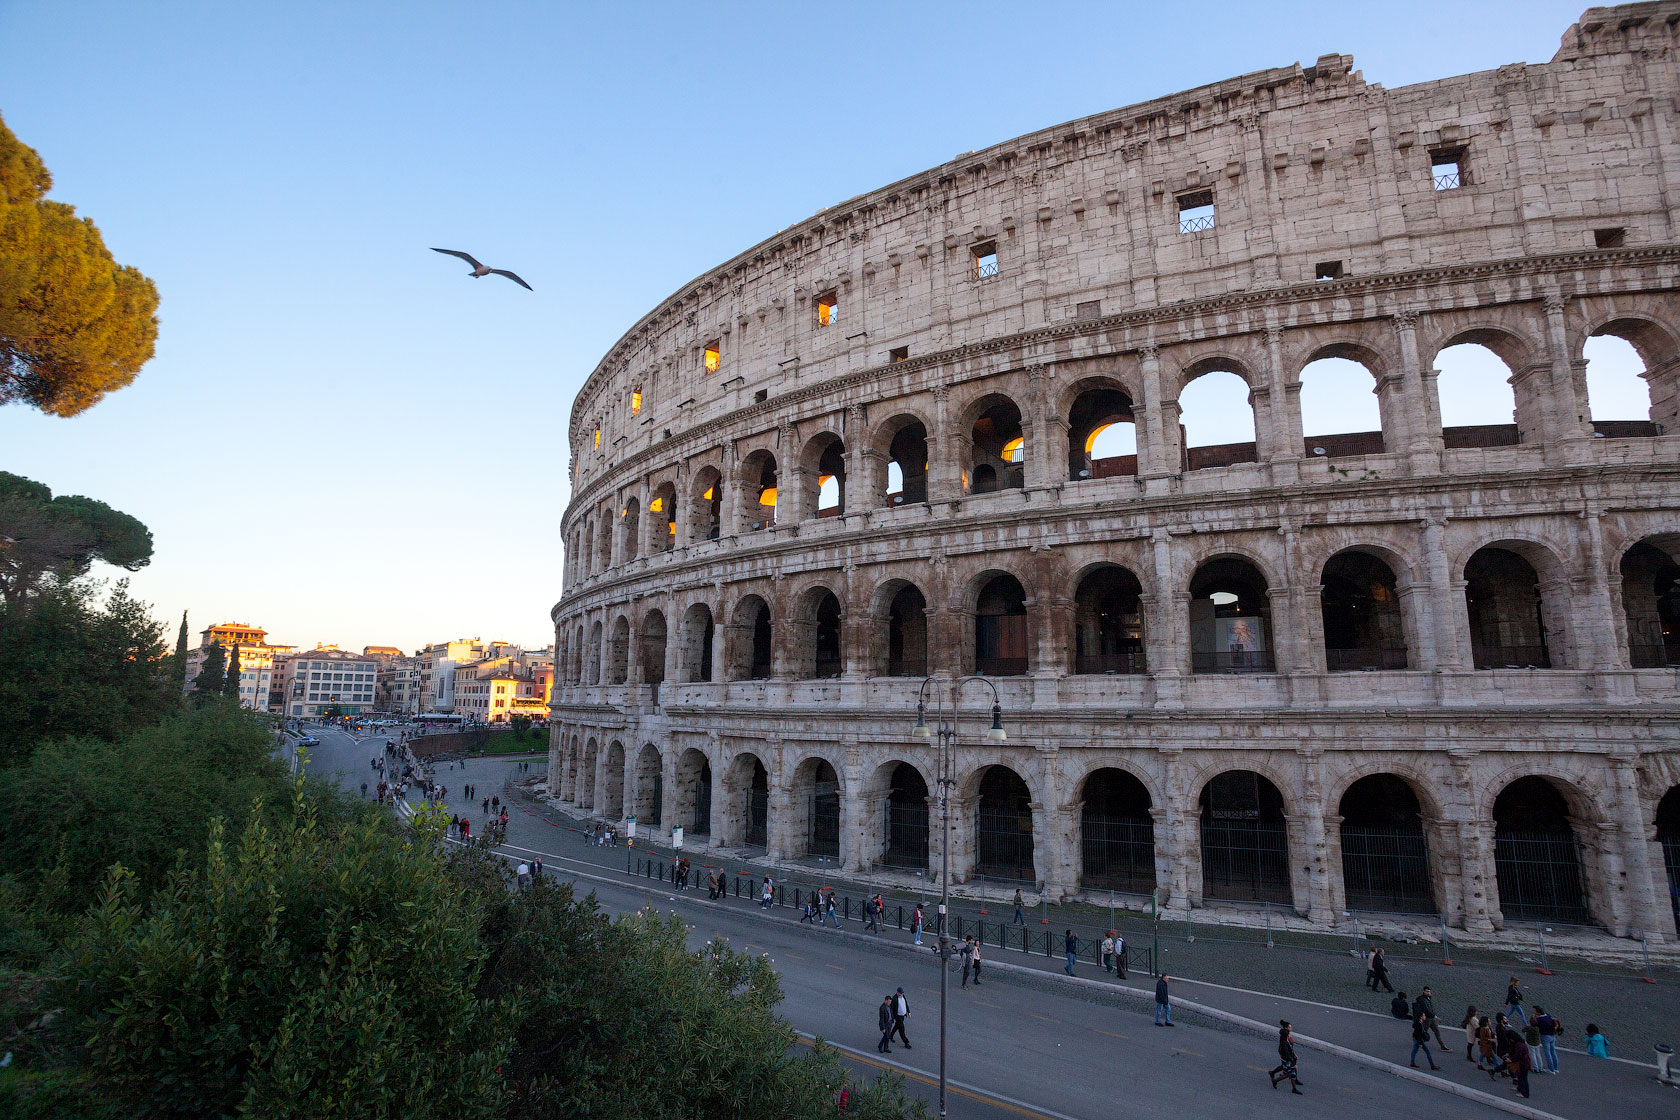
[[1018, 1046]]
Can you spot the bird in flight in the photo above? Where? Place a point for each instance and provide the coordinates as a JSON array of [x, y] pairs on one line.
[[484, 269]]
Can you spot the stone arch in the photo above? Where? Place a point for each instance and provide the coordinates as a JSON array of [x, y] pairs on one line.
[[751, 645], [1471, 392], [612, 782], [1244, 838], [746, 795], [997, 444], [586, 774], [1538, 850], [1330, 376], [647, 795], [587, 565], [1108, 621], [662, 508], [1385, 847], [592, 656], [578, 656], [1658, 352], [653, 636], [1101, 429], [1667, 823], [1000, 645], [759, 496], [1116, 832], [604, 524], [1650, 594], [705, 505], [822, 469], [1003, 824], [1230, 617], [816, 635], [618, 652], [630, 536], [817, 796], [695, 657], [1518, 601], [901, 444], [899, 630], [1365, 624], [902, 792], [1209, 418], [693, 793]]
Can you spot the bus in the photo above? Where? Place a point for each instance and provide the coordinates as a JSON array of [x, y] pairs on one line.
[[445, 720]]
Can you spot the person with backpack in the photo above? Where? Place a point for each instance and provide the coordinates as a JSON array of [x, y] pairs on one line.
[[831, 912], [1285, 1069], [1119, 955], [1425, 1002], [1549, 1028], [1420, 1040]]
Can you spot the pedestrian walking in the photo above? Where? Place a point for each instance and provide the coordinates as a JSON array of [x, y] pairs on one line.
[[1071, 944], [1486, 1056], [873, 908], [1106, 950], [1520, 1061], [496, 801], [916, 925], [364, 789], [967, 959], [767, 894], [809, 914], [1469, 1025], [831, 911], [1549, 1028], [1379, 965], [1371, 969], [1119, 955], [1285, 1070], [1163, 1004], [1420, 1040], [1020, 911], [524, 875], [1513, 1002], [885, 1020], [1425, 1002], [487, 806], [974, 959], [901, 1016], [1597, 1045], [536, 869]]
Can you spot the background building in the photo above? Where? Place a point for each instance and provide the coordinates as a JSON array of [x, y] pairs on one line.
[[326, 681], [256, 660], [514, 683]]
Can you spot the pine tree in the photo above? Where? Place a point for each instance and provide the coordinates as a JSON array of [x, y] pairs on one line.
[[230, 688], [178, 664], [213, 677]]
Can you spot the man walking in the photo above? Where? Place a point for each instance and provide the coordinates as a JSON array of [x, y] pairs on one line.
[[1549, 1029], [1285, 1069], [536, 869], [1020, 913], [884, 1019], [1107, 950], [1163, 1003], [901, 1014], [1379, 966], [967, 959], [831, 911], [873, 908], [916, 925], [1071, 944], [1425, 1003], [1119, 955]]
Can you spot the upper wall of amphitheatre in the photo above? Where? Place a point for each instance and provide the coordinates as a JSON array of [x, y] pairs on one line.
[[1305, 165]]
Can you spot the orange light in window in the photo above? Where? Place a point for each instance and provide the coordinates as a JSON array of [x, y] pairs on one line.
[[712, 358], [656, 505], [635, 402], [597, 437], [1091, 440], [707, 496], [1012, 452], [822, 479], [768, 496], [671, 528]]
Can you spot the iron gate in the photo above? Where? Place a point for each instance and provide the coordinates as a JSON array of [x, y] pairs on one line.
[[1671, 861], [907, 833], [703, 804], [824, 816], [658, 800], [1387, 869], [1245, 861], [1539, 876], [1003, 844], [1119, 853], [758, 816]]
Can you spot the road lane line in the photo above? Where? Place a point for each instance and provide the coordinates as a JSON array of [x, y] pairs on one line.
[[1046, 1018], [1192, 1053], [1112, 1034], [838, 967], [972, 1092]]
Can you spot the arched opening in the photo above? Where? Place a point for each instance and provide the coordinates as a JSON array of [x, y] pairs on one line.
[[569, 771], [697, 643], [586, 775], [1385, 856], [1536, 854], [578, 655], [1216, 421], [706, 505], [1668, 835], [1003, 827], [592, 658], [1000, 628], [998, 444], [907, 633], [631, 516], [818, 790], [1478, 400], [618, 658], [907, 819], [757, 832], [650, 788], [750, 640], [694, 793], [1116, 834], [817, 637], [1363, 627], [746, 795], [758, 490], [1651, 601], [825, 475], [587, 558], [1341, 412], [612, 783], [1102, 435], [653, 651], [1507, 627], [663, 508], [1108, 622], [605, 520], [907, 462], [1230, 618], [1618, 397], [1245, 840]]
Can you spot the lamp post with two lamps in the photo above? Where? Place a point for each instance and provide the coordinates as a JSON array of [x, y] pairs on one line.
[[945, 776]]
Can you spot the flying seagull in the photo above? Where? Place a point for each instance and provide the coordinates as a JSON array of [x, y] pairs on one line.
[[484, 269]]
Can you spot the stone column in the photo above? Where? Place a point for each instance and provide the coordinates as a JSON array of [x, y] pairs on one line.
[[1156, 455], [1648, 908], [1166, 632], [1597, 613], [1277, 423], [1474, 838], [945, 474], [1315, 847], [1038, 466], [860, 492], [1292, 653], [1451, 616], [1418, 430], [854, 813], [1569, 435]]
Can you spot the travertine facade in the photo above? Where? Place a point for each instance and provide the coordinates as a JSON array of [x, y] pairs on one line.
[[864, 450]]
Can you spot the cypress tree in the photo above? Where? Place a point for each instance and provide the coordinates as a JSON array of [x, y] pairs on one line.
[[178, 664], [230, 687], [213, 677]]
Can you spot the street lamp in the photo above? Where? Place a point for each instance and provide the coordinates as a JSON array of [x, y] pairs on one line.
[[945, 766]]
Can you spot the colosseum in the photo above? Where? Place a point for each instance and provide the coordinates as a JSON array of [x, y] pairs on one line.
[[949, 427]]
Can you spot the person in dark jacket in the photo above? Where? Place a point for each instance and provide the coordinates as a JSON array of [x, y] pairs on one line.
[[1285, 1069], [901, 1015], [1071, 944], [1420, 1040], [1379, 965], [885, 1018], [1399, 1008], [1513, 1002], [1425, 1003], [1519, 1060], [1163, 1005]]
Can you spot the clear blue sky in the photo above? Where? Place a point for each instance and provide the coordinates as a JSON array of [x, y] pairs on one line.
[[280, 170]]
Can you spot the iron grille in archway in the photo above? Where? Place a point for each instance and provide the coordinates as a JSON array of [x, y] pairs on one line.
[[758, 808], [658, 800], [1117, 836], [1671, 861], [907, 820], [1245, 843], [824, 811], [1385, 856], [1539, 876], [1003, 830], [703, 802]]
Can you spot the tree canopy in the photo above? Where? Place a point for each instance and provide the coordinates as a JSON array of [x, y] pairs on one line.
[[42, 536], [74, 324]]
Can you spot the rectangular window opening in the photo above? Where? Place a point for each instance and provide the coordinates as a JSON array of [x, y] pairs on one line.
[[1090, 309], [1195, 212], [636, 401], [761, 396], [898, 354], [1446, 166], [985, 260], [1328, 270], [1613, 238], [828, 309], [712, 357], [597, 439]]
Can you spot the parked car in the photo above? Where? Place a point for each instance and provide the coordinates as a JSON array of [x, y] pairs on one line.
[[309, 741]]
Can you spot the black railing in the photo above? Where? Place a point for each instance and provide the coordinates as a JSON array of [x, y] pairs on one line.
[[1195, 225], [1539, 876], [1448, 181], [1094, 663], [1510, 657], [1356, 660], [1386, 869], [1654, 656], [985, 268], [1234, 661]]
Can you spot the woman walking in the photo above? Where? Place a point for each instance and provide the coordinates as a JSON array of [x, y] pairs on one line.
[[1285, 1069], [1471, 1021], [1420, 1039]]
